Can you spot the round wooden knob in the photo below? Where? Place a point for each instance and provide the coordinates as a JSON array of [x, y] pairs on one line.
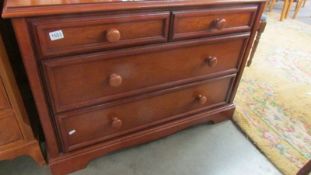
[[212, 61], [220, 23], [115, 80], [202, 99], [113, 35], [116, 123]]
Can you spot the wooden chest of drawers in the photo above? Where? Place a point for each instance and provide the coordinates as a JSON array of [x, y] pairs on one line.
[[109, 75]]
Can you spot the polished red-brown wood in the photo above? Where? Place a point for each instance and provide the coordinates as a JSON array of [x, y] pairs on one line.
[[27, 8], [198, 23], [84, 128], [113, 35], [29, 60], [79, 159], [90, 79], [86, 33], [72, 72], [115, 80]]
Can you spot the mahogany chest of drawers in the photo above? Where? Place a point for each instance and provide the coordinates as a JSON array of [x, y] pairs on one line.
[[107, 75]]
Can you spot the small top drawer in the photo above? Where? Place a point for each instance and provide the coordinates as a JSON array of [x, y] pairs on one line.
[[198, 23], [67, 35]]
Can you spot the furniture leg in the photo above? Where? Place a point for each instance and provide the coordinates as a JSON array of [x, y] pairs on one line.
[[288, 8], [267, 4], [304, 3], [298, 7], [272, 3], [285, 6], [261, 29], [30, 149], [36, 155]]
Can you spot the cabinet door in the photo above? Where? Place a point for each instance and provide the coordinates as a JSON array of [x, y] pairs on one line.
[[4, 103], [9, 130]]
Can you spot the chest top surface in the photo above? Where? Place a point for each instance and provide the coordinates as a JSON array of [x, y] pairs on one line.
[[26, 8]]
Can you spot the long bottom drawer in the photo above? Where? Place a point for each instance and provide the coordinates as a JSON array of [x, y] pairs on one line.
[[86, 127]]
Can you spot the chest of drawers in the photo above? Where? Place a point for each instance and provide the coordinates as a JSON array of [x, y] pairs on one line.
[[107, 75]]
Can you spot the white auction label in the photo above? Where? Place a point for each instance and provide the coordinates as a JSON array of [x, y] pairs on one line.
[[56, 35]]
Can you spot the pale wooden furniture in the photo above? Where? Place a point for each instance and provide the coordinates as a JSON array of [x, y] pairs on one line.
[[271, 4], [16, 137], [107, 75], [286, 7], [300, 3]]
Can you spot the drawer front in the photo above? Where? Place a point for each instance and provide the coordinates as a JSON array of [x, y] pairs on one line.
[[9, 130], [80, 129], [68, 35], [191, 24], [91, 79]]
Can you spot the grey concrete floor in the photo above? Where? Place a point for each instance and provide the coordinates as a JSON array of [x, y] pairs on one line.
[[219, 149]]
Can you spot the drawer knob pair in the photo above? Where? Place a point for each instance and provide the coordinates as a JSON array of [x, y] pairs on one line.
[[202, 99], [116, 123], [220, 23], [212, 61], [115, 80], [113, 35]]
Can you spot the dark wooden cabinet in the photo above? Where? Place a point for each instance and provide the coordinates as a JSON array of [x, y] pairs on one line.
[[109, 75]]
